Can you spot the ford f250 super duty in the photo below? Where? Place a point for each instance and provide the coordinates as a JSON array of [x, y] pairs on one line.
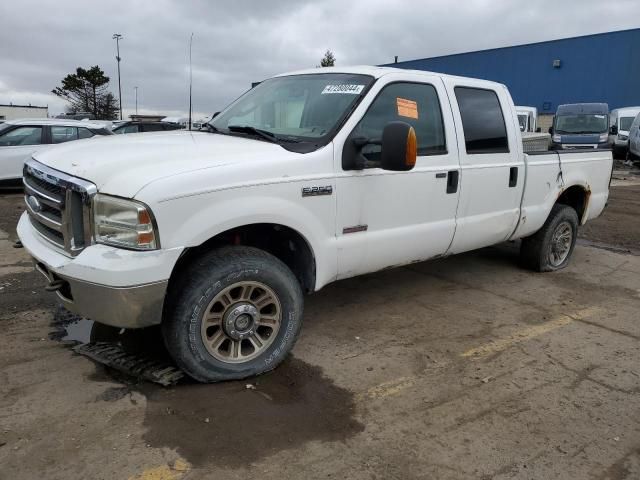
[[308, 178]]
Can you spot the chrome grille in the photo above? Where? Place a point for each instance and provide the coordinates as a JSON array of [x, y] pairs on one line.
[[58, 206]]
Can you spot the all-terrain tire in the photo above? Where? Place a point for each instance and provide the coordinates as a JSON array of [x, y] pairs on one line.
[[204, 281], [537, 251]]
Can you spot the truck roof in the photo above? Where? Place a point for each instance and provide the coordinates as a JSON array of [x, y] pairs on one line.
[[575, 108], [376, 72]]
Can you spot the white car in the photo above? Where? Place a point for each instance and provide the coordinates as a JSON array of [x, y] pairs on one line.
[[308, 178], [20, 139], [634, 140], [620, 121]]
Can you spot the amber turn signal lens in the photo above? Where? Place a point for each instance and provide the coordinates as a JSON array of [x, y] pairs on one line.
[[145, 238], [143, 217], [412, 148]]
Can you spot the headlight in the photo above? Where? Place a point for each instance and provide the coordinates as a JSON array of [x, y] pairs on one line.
[[557, 138], [604, 137], [123, 223]]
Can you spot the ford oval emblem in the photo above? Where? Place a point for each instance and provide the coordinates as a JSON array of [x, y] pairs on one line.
[[34, 203]]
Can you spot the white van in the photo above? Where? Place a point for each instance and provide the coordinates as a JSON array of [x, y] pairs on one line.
[[527, 118], [634, 140], [620, 121]]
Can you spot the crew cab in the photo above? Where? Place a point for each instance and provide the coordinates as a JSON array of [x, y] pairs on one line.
[[308, 178]]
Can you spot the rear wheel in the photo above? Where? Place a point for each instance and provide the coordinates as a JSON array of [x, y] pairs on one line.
[[234, 313], [551, 247]]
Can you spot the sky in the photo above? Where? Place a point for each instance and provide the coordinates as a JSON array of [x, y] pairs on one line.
[[238, 42]]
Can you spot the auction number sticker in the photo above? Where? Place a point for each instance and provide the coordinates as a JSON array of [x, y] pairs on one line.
[[407, 108], [344, 89]]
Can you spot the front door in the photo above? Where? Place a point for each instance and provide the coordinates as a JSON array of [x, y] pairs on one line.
[[391, 218]]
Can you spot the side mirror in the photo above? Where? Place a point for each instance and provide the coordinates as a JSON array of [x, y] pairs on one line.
[[538, 130], [551, 130], [215, 115], [399, 147], [613, 130]]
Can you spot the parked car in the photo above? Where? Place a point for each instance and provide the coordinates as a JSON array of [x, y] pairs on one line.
[[634, 140], [620, 122], [142, 127], [308, 178], [527, 118], [19, 139], [580, 126]]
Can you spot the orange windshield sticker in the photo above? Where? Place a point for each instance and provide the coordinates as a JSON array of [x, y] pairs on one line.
[[407, 108]]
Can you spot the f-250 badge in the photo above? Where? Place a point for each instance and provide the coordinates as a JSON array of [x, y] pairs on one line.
[[316, 191]]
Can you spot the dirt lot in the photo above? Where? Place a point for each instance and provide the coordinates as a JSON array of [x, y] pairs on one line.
[[467, 367]]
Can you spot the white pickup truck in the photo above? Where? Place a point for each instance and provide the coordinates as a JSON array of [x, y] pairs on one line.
[[308, 178]]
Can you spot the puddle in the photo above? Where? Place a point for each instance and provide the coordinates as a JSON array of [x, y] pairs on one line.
[[226, 424], [229, 425], [146, 342]]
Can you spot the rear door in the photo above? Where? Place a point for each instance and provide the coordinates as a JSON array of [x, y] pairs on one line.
[[491, 162], [390, 218], [16, 145]]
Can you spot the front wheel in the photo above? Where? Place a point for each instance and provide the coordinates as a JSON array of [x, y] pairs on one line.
[[550, 248], [234, 313]]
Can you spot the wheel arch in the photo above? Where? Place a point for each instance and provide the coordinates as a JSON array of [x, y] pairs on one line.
[[283, 242], [577, 197]]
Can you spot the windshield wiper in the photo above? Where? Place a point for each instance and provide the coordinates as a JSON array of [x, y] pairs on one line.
[[272, 137], [253, 131]]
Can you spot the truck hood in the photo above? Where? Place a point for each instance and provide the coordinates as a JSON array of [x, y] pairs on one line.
[[123, 164]]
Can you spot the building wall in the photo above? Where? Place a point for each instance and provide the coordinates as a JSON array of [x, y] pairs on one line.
[[14, 112], [595, 68]]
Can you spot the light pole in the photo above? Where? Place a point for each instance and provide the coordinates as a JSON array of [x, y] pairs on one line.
[[136, 89], [190, 78], [117, 37]]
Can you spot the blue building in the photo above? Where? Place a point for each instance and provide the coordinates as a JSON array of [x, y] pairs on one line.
[[603, 67]]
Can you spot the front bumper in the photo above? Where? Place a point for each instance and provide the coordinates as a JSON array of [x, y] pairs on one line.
[[113, 286]]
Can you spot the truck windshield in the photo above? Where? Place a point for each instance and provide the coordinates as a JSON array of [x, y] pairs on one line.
[[296, 108], [581, 123], [625, 123]]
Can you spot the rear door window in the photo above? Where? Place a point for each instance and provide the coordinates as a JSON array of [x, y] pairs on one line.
[[21, 136], [63, 134], [482, 121], [84, 133], [152, 127], [127, 129]]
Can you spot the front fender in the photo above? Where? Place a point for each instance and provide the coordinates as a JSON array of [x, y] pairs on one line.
[[191, 221]]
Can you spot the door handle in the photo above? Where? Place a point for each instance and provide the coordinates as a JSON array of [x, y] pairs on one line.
[[513, 177], [452, 181]]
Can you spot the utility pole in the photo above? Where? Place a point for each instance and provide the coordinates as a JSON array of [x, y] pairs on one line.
[[117, 37], [190, 78], [136, 89]]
